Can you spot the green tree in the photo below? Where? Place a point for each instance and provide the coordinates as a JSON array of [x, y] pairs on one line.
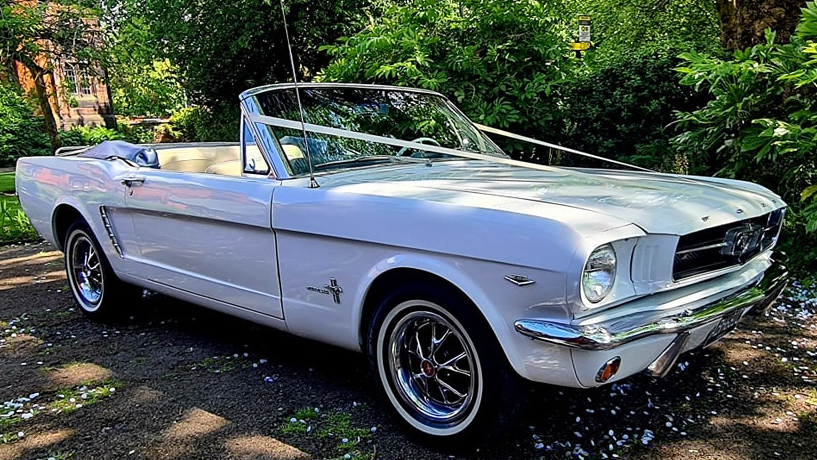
[[502, 62], [623, 28], [223, 48], [35, 34], [142, 83], [761, 121], [21, 133], [621, 108]]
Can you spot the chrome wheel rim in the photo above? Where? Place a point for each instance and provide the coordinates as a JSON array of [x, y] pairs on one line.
[[432, 367], [86, 271]]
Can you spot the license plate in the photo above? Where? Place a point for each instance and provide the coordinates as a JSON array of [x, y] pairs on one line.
[[724, 326]]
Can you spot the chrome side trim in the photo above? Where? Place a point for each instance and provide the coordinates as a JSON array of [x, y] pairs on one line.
[[109, 230], [603, 337]]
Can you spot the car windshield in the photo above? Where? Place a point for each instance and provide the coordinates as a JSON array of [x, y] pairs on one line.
[[405, 115]]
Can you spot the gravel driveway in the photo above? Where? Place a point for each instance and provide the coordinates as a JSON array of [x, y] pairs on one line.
[[174, 381]]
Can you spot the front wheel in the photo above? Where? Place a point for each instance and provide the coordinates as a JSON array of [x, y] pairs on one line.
[[440, 365]]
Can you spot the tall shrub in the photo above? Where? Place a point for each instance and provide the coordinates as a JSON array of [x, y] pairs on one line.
[[761, 122], [621, 108], [207, 124], [502, 62], [21, 133]]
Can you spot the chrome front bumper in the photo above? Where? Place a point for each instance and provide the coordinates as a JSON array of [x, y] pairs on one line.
[[604, 337]]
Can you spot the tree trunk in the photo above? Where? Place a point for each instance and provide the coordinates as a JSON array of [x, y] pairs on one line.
[[43, 99], [743, 22], [45, 107]]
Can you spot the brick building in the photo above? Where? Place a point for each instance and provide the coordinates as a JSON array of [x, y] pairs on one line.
[[77, 92], [79, 96]]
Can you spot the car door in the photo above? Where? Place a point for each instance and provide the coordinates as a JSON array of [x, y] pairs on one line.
[[207, 234]]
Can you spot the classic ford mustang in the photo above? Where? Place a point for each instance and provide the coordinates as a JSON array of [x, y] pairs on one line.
[[382, 220]]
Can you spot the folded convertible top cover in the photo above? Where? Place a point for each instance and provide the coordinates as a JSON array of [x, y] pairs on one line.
[[143, 156]]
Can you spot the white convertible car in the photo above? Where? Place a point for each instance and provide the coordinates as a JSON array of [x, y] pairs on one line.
[[381, 219]]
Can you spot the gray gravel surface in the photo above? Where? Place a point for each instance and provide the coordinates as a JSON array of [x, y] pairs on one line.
[[174, 381]]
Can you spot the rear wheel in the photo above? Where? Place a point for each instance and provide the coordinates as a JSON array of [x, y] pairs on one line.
[[97, 290], [440, 365]]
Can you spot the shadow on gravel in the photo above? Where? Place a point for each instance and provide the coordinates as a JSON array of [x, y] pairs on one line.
[[192, 383]]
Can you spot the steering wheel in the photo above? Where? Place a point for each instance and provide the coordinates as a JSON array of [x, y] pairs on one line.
[[403, 151]]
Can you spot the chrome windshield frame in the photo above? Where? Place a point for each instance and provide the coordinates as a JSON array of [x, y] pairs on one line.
[[272, 150]]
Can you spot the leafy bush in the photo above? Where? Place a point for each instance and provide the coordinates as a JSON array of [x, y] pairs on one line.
[[502, 62], [21, 133], [761, 123], [203, 124], [146, 89], [137, 134], [621, 109], [82, 135]]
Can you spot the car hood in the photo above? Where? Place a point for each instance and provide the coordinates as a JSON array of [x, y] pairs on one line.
[[658, 203]]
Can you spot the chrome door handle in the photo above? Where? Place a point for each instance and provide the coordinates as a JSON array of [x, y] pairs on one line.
[[130, 180]]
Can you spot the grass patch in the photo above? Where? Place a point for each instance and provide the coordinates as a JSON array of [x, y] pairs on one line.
[[8, 330], [6, 423], [14, 225], [71, 399], [7, 182], [7, 438], [299, 423], [332, 427], [339, 424], [219, 364]]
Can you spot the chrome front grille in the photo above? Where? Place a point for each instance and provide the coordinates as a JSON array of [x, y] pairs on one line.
[[726, 245]]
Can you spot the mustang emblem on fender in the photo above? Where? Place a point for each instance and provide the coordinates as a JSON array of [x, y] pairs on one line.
[[332, 288]]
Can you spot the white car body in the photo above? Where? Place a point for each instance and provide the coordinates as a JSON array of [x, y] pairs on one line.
[[272, 249]]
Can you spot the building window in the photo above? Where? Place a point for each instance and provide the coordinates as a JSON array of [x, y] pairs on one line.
[[85, 83], [77, 80], [71, 79]]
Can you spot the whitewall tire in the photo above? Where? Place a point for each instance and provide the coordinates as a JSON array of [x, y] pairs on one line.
[[439, 364]]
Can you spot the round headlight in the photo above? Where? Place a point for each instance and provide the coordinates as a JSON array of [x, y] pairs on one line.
[[599, 273]]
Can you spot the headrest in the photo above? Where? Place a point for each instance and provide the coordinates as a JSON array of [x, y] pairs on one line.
[[142, 156]]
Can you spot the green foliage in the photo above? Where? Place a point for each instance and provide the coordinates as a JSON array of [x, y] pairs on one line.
[[621, 110], [21, 133], [623, 27], [761, 121], [335, 426], [65, 33], [37, 34], [146, 89], [502, 62], [82, 135], [203, 124], [141, 83], [223, 48]]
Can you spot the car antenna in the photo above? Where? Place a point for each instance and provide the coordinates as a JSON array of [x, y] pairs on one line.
[[312, 182]]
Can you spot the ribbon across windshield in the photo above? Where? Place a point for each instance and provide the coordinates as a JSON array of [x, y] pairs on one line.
[[425, 126]]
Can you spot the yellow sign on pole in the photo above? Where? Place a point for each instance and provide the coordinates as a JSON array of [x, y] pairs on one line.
[[580, 46], [584, 28]]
